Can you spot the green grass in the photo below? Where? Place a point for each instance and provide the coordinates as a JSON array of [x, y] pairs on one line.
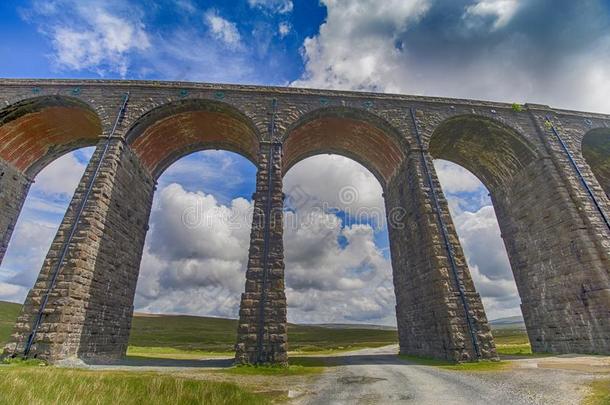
[[217, 335], [49, 385], [600, 393], [483, 365], [512, 341], [192, 337], [293, 369]]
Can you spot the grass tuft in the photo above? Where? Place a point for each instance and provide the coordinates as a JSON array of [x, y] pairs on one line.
[[600, 393], [481, 365], [50, 385]]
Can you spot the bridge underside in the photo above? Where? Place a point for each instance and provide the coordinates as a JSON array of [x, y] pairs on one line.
[[549, 195]]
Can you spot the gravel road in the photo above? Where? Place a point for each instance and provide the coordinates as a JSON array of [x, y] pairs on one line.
[[377, 376]]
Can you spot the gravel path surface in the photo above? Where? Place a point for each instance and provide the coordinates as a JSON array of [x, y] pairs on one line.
[[377, 376]]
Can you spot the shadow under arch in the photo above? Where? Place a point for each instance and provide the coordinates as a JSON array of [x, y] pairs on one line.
[[354, 133], [38, 130], [492, 151], [595, 147], [173, 130]]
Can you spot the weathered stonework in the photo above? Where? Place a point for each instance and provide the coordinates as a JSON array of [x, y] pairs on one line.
[[262, 330], [89, 311], [552, 218]]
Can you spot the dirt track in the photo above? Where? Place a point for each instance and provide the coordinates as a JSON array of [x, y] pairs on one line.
[[379, 376]]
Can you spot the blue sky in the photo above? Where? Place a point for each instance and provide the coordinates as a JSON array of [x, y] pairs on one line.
[[338, 269]]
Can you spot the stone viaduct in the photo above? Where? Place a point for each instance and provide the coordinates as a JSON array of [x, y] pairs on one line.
[[548, 172]]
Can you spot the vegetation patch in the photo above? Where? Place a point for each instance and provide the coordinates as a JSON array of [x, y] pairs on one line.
[[481, 365], [50, 385], [173, 353], [600, 393], [295, 368]]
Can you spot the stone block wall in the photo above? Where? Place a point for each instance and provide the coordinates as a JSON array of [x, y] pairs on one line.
[[89, 310], [430, 314], [262, 329]]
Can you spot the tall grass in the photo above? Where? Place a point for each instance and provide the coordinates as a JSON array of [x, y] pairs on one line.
[[49, 385]]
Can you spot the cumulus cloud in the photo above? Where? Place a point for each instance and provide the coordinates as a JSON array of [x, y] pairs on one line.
[[222, 29], [503, 50], [107, 34], [196, 247], [501, 11], [274, 6]]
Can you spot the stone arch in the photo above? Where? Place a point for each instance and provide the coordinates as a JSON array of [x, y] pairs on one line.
[[168, 132], [353, 133], [595, 146], [492, 151], [36, 131]]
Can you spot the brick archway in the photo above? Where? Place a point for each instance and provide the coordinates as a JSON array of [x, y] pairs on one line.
[[36, 131], [173, 130], [353, 133], [33, 133]]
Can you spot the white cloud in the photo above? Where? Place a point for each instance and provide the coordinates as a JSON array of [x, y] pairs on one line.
[[92, 36], [493, 49], [283, 29], [195, 254], [274, 6], [222, 29], [61, 176], [355, 48], [500, 10], [456, 179]]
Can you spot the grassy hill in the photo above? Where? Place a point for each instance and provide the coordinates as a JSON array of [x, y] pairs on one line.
[[218, 334], [182, 333]]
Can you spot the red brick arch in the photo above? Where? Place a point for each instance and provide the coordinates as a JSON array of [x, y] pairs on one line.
[[36, 131], [356, 134], [173, 130]]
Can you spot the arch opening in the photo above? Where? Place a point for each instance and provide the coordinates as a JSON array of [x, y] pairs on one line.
[[474, 216], [171, 131], [36, 131], [478, 160], [596, 151], [39, 219], [356, 134], [195, 255], [337, 254]]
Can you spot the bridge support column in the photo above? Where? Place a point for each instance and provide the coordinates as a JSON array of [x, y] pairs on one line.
[[89, 309], [559, 249], [434, 318], [14, 186], [261, 334]]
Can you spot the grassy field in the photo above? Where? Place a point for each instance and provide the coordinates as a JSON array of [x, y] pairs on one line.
[[187, 334], [512, 341], [48, 385], [183, 337], [600, 393]]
